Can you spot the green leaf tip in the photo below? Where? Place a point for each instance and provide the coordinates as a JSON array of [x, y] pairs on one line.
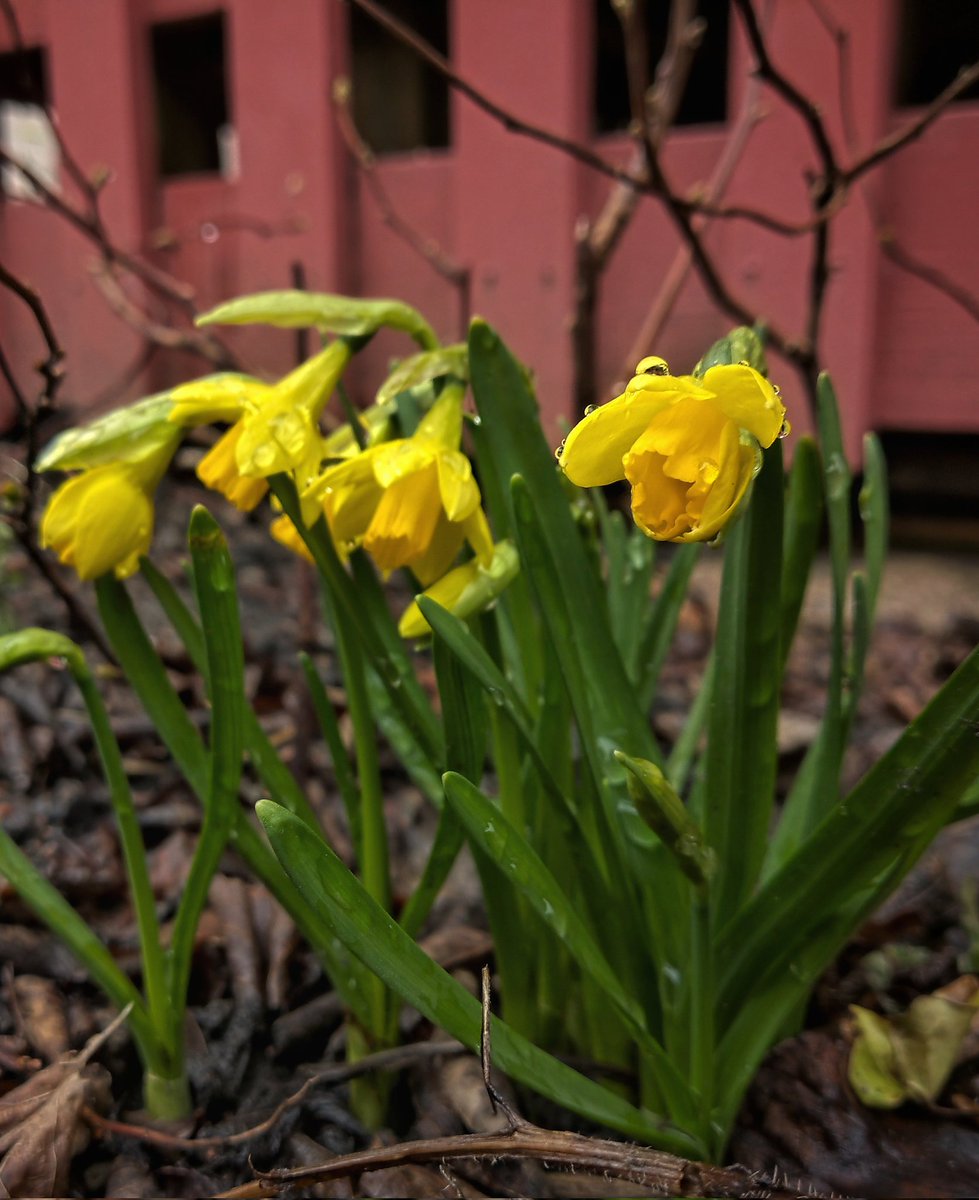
[[32, 644], [204, 531]]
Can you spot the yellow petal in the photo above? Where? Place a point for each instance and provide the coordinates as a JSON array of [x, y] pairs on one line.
[[218, 398], [398, 459], [442, 423], [284, 531], [312, 383], [457, 488], [401, 529], [748, 399], [594, 449], [728, 492], [478, 535], [102, 520], [446, 592], [444, 544], [218, 470]]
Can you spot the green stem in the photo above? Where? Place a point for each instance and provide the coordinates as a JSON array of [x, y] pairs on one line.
[[701, 1000], [133, 850]]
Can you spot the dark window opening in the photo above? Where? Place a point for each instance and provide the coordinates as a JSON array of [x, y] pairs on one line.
[[705, 97], [191, 94], [24, 76], [400, 103], [936, 39]]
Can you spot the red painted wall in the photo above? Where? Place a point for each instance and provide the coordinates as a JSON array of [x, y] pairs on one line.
[[903, 355]]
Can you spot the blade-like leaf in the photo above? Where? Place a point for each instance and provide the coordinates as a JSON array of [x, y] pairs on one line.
[[338, 900], [740, 761]]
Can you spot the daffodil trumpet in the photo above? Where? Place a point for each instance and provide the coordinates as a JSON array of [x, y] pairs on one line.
[[101, 520], [689, 447], [274, 427], [411, 502]]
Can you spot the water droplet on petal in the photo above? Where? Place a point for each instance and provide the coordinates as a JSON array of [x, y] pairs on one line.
[[743, 362], [776, 389], [590, 409], [785, 430], [559, 451]]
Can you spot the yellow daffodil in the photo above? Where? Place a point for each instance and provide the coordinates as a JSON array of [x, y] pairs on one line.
[[464, 590], [688, 446], [102, 519], [275, 425], [411, 502]]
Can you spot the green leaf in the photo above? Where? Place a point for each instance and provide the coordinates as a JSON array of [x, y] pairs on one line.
[[149, 680], [874, 513], [278, 779], [803, 525], [740, 761], [861, 849], [664, 614], [339, 900], [343, 315], [124, 435], [217, 600], [490, 831]]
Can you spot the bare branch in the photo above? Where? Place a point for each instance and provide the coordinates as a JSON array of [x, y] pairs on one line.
[[425, 246], [509, 120], [805, 107], [667, 1174], [393, 1059], [928, 274], [751, 113], [915, 127]]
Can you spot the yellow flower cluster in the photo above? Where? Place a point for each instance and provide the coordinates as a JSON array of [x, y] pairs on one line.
[[688, 446], [411, 502]]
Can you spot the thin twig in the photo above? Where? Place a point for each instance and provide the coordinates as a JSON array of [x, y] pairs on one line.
[[805, 107], [425, 246], [383, 1060], [509, 120], [667, 1174], [914, 128], [671, 1175], [659, 312]]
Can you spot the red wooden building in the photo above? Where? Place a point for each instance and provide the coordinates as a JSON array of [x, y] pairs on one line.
[[217, 124]]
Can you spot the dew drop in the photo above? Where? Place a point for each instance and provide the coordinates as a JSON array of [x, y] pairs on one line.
[[590, 409], [785, 430], [559, 451], [743, 362]]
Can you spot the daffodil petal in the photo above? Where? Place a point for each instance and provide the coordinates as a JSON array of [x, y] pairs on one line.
[[478, 535], [404, 522], [747, 399], [445, 592], [442, 424], [219, 398], [218, 470], [285, 532], [396, 460], [457, 488], [728, 491], [594, 449], [445, 543]]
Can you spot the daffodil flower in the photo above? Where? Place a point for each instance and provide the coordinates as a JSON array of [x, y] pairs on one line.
[[688, 446], [411, 502], [465, 590], [274, 425], [101, 520]]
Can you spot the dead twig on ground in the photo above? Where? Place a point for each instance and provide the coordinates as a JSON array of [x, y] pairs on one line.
[[667, 1173]]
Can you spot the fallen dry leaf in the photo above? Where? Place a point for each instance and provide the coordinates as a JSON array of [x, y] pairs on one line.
[[41, 1127]]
